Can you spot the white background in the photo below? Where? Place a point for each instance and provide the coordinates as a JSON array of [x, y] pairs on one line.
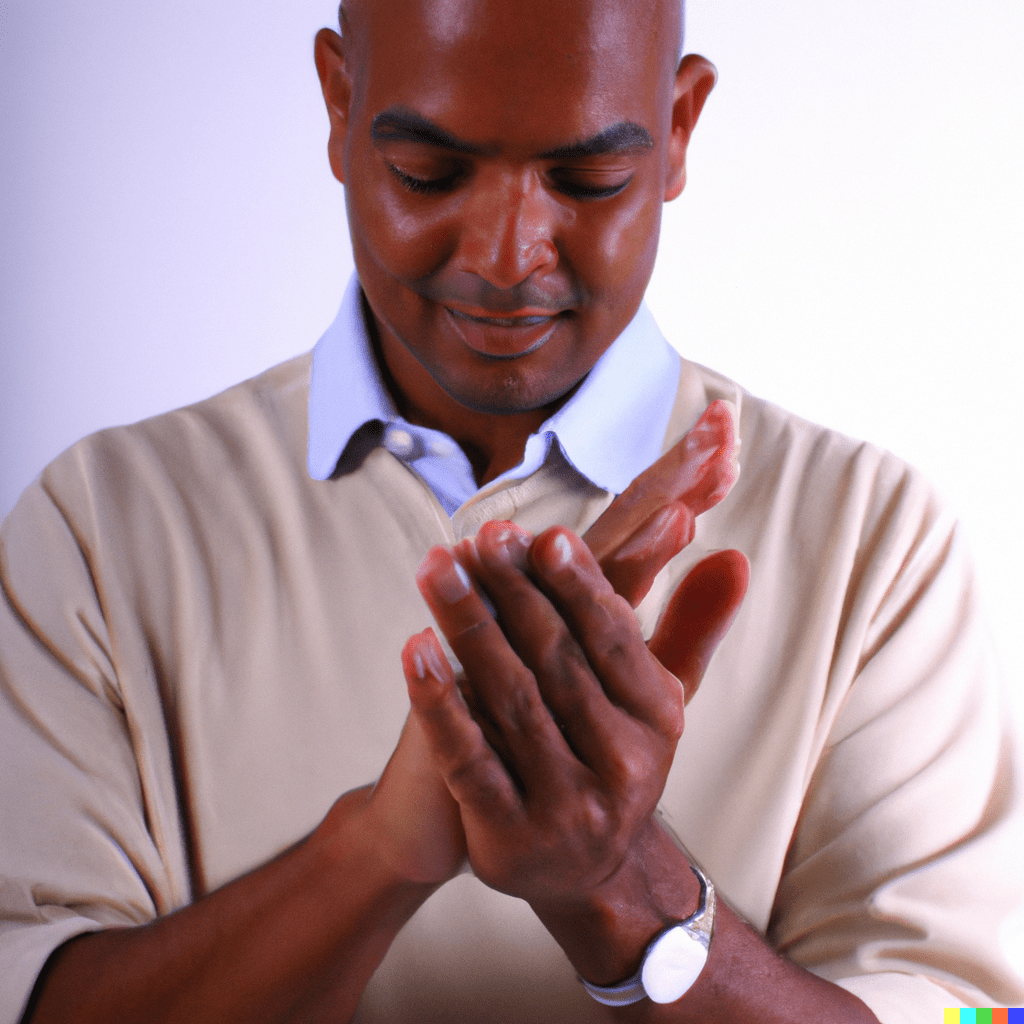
[[850, 245]]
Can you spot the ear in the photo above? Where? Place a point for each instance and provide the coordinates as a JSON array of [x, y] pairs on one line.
[[336, 85], [695, 79]]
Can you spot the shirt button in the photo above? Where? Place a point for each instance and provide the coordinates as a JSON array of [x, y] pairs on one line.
[[399, 442], [441, 447]]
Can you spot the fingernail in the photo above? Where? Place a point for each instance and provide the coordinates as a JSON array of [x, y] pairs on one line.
[[563, 551], [451, 584], [424, 660], [434, 666], [512, 545]]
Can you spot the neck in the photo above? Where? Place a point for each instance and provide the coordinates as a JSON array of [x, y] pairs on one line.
[[492, 442]]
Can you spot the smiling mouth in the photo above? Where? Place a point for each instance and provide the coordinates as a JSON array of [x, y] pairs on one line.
[[522, 320], [505, 337]]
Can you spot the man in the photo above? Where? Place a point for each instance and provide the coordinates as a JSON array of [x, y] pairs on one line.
[[202, 639]]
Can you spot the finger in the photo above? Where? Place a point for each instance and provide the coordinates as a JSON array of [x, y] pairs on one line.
[[472, 771], [631, 569], [697, 471], [698, 616], [448, 591], [565, 680], [607, 631], [503, 688]]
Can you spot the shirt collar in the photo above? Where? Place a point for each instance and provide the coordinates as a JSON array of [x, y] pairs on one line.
[[346, 389], [610, 430]]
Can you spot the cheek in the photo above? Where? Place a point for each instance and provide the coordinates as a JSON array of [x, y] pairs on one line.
[[616, 256], [407, 244]]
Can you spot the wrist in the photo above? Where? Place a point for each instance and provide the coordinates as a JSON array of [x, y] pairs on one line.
[[673, 960], [606, 931], [350, 841]]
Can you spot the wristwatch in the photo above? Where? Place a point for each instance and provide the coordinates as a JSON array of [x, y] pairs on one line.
[[672, 961]]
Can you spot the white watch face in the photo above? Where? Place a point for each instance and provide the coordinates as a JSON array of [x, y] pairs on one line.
[[672, 965]]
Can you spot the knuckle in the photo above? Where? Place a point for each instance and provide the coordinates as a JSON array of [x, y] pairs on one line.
[[524, 711], [628, 766], [562, 665], [602, 827], [618, 640], [569, 662], [472, 632], [618, 611], [595, 819]]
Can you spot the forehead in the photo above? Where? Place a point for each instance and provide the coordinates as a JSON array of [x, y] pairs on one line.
[[542, 67]]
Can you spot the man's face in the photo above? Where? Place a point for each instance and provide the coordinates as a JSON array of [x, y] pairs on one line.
[[505, 164]]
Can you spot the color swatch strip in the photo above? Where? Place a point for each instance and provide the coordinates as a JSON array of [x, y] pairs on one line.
[[1014, 1015]]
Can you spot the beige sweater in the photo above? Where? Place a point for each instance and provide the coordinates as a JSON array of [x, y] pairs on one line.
[[199, 651]]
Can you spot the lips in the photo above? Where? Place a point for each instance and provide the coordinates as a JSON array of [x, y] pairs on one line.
[[507, 321], [504, 337]]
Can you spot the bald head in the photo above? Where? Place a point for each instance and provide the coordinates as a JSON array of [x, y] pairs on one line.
[[345, 25]]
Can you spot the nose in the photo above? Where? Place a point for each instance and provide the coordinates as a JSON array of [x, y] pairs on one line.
[[508, 229]]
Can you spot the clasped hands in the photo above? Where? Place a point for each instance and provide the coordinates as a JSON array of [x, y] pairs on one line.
[[544, 759]]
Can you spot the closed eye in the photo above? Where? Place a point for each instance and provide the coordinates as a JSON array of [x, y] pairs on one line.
[[578, 190], [568, 184], [588, 184], [424, 185]]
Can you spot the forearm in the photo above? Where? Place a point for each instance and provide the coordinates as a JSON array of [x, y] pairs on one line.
[[295, 940], [746, 980], [743, 979]]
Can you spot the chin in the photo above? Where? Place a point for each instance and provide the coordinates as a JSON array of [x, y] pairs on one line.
[[513, 394]]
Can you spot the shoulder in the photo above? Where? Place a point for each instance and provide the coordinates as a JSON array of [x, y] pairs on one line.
[[828, 520], [259, 422], [237, 418], [803, 473], [129, 491]]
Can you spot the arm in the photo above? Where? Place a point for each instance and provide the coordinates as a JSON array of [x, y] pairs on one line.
[[293, 940], [93, 846], [559, 753]]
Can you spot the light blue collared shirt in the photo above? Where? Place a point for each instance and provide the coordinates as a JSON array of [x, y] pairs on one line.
[[610, 430]]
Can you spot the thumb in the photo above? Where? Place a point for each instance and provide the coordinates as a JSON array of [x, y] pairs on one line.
[[699, 615]]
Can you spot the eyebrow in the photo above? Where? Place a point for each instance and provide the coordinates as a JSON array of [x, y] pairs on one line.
[[623, 137], [399, 124]]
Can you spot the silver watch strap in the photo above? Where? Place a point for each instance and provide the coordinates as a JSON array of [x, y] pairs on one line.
[[631, 991], [699, 923]]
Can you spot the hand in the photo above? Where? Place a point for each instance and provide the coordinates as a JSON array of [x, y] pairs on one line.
[[558, 747], [641, 530], [653, 519]]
